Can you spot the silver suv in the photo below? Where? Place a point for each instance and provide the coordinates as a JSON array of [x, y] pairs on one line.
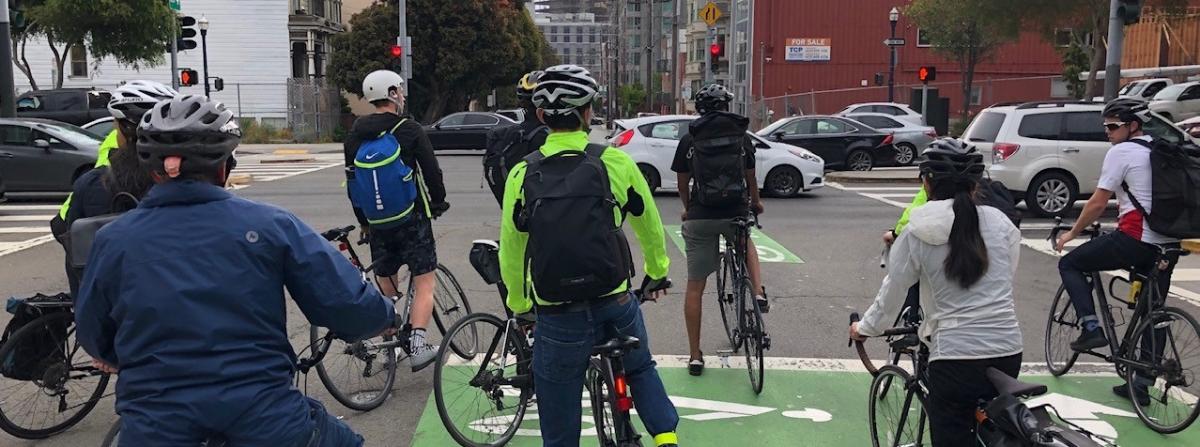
[[1049, 154]]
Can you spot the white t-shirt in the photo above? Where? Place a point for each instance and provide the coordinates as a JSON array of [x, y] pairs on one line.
[[1129, 162]]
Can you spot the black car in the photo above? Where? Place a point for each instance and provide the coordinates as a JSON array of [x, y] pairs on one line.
[[844, 144], [464, 130], [76, 106]]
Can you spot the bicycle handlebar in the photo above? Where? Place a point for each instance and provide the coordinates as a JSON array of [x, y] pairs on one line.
[[649, 286], [1092, 231]]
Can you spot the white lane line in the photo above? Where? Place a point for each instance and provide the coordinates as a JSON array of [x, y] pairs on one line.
[[26, 218], [23, 230], [738, 361], [12, 207], [13, 247], [1186, 275], [911, 189]]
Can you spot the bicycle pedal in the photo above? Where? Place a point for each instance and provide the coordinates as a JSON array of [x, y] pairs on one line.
[[766, 341]]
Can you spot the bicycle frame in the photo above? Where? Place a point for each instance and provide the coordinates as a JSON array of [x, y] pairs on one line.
[[612, 369]]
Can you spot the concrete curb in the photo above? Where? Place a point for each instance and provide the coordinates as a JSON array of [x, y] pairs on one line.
[[857, 177]]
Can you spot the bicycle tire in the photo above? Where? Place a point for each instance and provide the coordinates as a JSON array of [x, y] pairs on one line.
[[1160, 317], [360, 400], [753, 335], [600, 395], [450, 303], [886, 376], [725, 298], [513, 344], [113, 436], [68, 352], [1062, 325]]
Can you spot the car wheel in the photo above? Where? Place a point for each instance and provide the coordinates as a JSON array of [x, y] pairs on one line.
[[905, 154], [1051, 194], [783, 181], [651, 175], [859, 160]]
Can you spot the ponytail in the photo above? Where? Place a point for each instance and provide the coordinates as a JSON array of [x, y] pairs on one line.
[[968, 258]]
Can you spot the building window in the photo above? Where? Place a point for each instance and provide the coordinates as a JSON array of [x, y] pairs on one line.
[[592, 38], [554, 30], [566, 59], [922, 39], [78, 61], [554, 38], [976, 95], [1063, 37], [579, 38]]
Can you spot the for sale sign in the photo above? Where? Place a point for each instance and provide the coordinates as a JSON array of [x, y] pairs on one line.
[[808, 49]]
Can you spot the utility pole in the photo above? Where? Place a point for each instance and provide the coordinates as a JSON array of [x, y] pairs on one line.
[[1116, 39], [405, 42], [8, 105], [648, 24], [674, 49]]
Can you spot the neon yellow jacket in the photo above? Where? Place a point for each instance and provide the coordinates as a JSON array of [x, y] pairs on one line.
[[917, 201], [109, 143], [623, 174]]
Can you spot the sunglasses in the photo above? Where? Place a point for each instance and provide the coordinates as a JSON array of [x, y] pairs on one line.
[[1112, 127]]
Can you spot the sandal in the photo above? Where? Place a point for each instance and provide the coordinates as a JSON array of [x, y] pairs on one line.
[[696, 366]]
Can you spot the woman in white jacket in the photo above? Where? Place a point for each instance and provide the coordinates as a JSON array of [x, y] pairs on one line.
[[965, 256]]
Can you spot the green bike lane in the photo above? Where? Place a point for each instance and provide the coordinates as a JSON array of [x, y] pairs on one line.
[[821, 402]]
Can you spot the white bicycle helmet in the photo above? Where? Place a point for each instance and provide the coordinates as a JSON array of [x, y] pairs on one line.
[[564, 89], [133, 99], [200, 131], [379, 84]]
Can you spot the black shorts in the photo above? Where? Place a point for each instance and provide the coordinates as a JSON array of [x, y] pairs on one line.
[[408, 244]]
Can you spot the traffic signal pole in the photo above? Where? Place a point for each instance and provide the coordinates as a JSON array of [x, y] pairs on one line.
[[1116, 39], [8, 105], [175, 55]]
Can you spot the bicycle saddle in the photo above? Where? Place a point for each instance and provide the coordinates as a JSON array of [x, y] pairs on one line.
[[1007, 385], [620, 342]]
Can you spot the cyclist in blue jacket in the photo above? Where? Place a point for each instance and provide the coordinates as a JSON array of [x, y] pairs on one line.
[[184, 295]]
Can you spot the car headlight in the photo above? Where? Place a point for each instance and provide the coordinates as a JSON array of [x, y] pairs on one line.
[[809, 156]]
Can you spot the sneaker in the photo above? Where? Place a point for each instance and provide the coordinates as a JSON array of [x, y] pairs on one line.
[[1143, 396], [422, 355], [764, 304], [1089, 340], [696, 366]]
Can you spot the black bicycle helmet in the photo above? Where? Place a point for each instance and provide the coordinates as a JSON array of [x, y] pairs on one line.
[[564, 89], [712, 98], [1127, 110], [527, 84], [950, 157], [200, 131]]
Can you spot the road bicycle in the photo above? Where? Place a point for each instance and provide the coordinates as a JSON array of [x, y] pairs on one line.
[[482, 392], [360, 375], [740, 312], [896, 406], [1159, 353]]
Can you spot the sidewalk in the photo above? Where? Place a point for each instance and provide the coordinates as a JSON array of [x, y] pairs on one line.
[[290, 148], [879, 175]]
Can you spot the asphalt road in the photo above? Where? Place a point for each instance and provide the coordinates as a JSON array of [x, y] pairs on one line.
[[835, 232]]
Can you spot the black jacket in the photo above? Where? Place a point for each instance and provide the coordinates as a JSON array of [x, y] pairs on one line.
[[415, 151]]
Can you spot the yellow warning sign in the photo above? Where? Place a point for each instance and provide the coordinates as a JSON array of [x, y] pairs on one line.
[[710, 13]]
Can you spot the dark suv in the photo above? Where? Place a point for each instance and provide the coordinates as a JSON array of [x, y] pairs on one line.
[[76, 106]]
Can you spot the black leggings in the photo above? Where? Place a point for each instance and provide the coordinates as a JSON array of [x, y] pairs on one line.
[[955, 389]]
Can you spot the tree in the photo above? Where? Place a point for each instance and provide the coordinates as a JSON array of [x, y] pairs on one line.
[[461, 50], [966, 31], [631, 97], [132, 32]]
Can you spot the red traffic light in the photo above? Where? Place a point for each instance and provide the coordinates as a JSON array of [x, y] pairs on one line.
[[714, 49], [397, 51], [188, 77], [926, 74]]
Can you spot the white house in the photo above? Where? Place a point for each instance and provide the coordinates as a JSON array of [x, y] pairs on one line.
[[257, 46]]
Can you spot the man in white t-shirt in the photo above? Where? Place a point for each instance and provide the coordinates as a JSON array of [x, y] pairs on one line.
[[1126, 170]]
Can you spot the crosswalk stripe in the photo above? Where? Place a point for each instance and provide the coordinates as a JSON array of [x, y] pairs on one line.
[[12, 247], [24, 230], [11, 207], [1186, 275], [26, 218]]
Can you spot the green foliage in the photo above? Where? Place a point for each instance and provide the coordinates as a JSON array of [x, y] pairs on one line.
[[255, 133], [1076, 61], [631, 97]]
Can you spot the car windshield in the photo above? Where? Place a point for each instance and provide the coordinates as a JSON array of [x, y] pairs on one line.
[[774, 126], [1132, 89], [1170, 93], [71, 134]]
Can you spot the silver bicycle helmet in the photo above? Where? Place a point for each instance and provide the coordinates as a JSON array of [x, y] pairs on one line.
[[200, 131], [950, 157], [564, 89], [133, 99]]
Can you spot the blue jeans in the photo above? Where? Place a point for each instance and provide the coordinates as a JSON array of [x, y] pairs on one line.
[[562, 345], [139, 429], [1111, 251]]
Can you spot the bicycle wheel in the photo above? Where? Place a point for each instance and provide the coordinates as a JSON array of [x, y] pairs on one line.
[[599, 386], [360, 374], [482, 397], [65, 386], [450, 305], [1062, 326], [725, 298], [113, 437], [891, 401], [754, 335], [1169, 339]]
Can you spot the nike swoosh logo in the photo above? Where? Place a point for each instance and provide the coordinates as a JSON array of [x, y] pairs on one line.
[[371, 156]]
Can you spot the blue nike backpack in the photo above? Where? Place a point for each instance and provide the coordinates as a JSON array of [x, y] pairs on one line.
[[383, 187]]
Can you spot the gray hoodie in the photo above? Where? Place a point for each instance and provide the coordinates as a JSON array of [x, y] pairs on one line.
[[979, 322]]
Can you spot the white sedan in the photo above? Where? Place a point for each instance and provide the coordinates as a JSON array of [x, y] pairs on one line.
[[783, 170]]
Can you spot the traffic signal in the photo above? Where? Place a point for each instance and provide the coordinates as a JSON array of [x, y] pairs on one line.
[[715, 51], [1130, 11], [188, 77], [187, 33], [927, 74], [878, 78], [218, 84], [396, 51]]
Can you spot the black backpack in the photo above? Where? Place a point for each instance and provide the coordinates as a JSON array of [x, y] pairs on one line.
[[506, 151], [1175, 189], [41, 350], [994, 194], [576, 251], [718, 165]]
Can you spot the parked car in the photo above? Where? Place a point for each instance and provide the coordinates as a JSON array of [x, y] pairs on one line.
[[101, 127], [464, 130], [782, 169], [1190, 126], [1178, 102], [1049, 154], [2, 197], [69, 105], [517, 115], [908, 139], [1144, 89], [843, 143], [39, 155], [900, 111]]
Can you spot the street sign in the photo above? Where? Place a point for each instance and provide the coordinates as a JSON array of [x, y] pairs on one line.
[[894, 42], [176, 5], [710, 13]]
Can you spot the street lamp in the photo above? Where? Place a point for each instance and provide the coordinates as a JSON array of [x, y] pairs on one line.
[[204, 50], [893, 17]]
